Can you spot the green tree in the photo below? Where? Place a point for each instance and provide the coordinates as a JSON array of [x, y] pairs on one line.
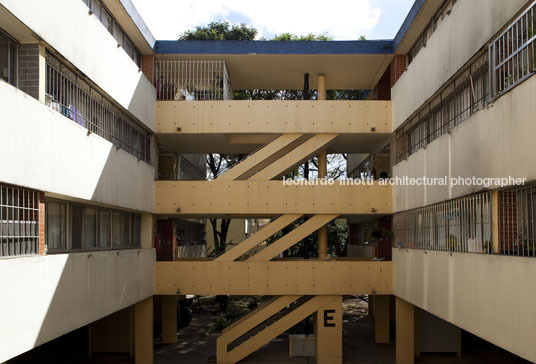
[[220, 30]]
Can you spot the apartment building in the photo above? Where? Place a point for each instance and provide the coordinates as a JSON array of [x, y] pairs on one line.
[[104, 195]]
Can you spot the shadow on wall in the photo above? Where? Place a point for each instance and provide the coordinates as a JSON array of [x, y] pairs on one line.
[[90, 286]]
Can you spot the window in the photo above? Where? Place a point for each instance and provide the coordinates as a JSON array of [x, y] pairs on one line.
[[8, 59], [104, 229], [89, 230], [116, 230], [56, 225], [19, 221], [461, 225], [78, 227]]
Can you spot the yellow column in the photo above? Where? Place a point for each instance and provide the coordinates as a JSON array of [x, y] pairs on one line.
[[169, 319], [495, 221], [405, 332], [322, 87], [143, 331], [322, 173], [381, 319], [328, 332]]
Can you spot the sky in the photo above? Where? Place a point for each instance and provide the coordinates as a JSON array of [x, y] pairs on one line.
[[341, 19]]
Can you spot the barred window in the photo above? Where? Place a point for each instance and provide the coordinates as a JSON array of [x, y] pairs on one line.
[[461, 225], [19, 221], [72, 227]]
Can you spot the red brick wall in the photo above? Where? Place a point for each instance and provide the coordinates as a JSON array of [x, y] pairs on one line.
[[147, 67], [383, 89], [165, 246], [398, 67], [385, 242], [42, 243]]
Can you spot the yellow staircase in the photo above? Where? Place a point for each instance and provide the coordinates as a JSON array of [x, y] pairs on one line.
[[262, 325]]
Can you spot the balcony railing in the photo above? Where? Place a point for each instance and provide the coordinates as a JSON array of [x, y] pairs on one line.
[[70, 96], [192, 80], [512, 54]]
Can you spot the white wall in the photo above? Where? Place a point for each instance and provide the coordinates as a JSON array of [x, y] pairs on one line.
[[83, 41], [495, 142], [44, 297], [491, 296], [43, 149], [460, 36]]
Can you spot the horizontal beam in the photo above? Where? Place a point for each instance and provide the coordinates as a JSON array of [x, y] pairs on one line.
[[292, 277], [268, 198], [276, 117]]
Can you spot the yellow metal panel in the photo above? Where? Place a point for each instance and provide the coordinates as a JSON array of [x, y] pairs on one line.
[[295, 157], [328, 332], [278, 117], [279, 277], [268, 198], [285, 242], [262, 158], [257, 238]]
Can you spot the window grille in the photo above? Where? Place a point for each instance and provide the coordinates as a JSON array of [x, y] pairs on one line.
[[19, 221], [512, 55]]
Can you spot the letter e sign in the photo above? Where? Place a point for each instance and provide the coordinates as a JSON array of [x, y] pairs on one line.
[[328, 318]]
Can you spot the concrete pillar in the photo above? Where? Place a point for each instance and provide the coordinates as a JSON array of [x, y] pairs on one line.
[[42, 72], [143, 331], [322, 87], [371, 305], [169, 319], [323, 231], [147, 228], [405, 332], [495, 221], [381, 319], [328, 332]]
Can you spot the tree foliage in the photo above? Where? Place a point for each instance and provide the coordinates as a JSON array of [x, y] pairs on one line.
[[220, 30]]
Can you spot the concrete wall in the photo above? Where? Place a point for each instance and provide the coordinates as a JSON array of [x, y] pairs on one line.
[[471, 24], [70, 30], [490, 296], [43, 149], [494, 142], [48, 296]]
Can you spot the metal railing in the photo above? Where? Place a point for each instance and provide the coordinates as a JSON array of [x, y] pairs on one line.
[[512, 55], [70, 96], [517, 221], [192, 80], [19, 221], [460, 225], [460, 100]]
